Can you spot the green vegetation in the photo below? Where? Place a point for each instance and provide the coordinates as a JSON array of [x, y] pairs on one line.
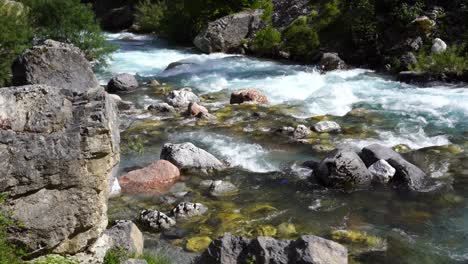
[[9, 254], [54, 259], [453, 61], [28, 22], [150, 15], [266, 40], [116, 256], [301, 40]]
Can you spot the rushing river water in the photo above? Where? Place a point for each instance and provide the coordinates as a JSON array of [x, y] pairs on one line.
[[429, 227]]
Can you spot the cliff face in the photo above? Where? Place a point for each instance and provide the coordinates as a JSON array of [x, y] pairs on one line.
[[58, 147]]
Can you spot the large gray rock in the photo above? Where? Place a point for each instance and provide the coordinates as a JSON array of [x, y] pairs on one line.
[[187, 156], [327, 127], [155, 220], [331, 62], [126, 235], [222, 188], [381, 171], [407, 175], [228, 33], [57, 153], [181, 98], [343, 169], [55, 64], [231, 249], [187, 210], [123, 82]]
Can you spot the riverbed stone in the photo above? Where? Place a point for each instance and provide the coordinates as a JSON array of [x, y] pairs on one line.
[[187, 210], [343, 168], [381, 171], [327, 127], [125, 235], [407, 175], [223, 188], [162, 108], [154, 179], [331, 61], [181, 98], [301, 131], [197, 244], [155, 220], [248, 96], [194, 109], [187, 156], [438, 46], [54, 64], [123, 82]]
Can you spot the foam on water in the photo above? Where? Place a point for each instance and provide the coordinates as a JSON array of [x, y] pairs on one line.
[[249, 156]]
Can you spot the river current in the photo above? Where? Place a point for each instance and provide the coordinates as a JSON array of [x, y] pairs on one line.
[[429, 227]]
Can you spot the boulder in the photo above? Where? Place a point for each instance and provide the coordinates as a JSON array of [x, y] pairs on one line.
[[181, 98], [57, 176], [155, 220], [286, 11], [54, 64], [162, 108], [228, 33], [231, 249], [187, 156], [438, 46], [196, 110], [123, 82], [121, 104], [118, 18], [301, 131], [222, 188], [248, 96], [154, 179], [177, 64], [126, 235], [408, 59], [343, 168], [381, 171], [331, 62], [407, 175], [187, 210], [327, 127]]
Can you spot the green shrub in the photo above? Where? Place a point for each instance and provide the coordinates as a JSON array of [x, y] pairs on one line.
[[454, 61], [156, 259], [15, 36], [404, 13], [302, 41], [54, 259], [150, 15], [115, 256], [8, 253], [266, 39], [68, 21]]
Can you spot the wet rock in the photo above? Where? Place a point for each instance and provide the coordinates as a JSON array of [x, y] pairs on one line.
[[222, 188], [121, 104], [381, 171], [231, 249], [187, 210], [286, 230], [156, 220], [187, 156], [356, 237], [331, 62], [196, 110], [181, 98], [248, 96], [206, 116], [323, 148], [407, 175], [198, 244], [438, 46], [123, 82], [343, 169], [178, 64], [152, 180], [126, 235], [327, 127], [228, 33], [162, 108], [301, 131], [55, 64], [175, 233]]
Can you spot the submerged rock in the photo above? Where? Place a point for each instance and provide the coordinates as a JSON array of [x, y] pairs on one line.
[[407, 175], [222, 188], [181, 98], [187, 210], [248, 96], [381, 171], [55, 64], [187, 156], [301, 131], [197, 244], [231, 249], [162, 108], [327, 127], [123, 82], [343, 169], [153, 179], [228, 33], [156, 220]]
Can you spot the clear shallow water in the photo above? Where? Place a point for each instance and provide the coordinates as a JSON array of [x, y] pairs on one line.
[[267, 168]]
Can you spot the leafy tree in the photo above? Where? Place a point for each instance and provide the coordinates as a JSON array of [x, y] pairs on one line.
[[266, 39], [150, 15], [302, 41]]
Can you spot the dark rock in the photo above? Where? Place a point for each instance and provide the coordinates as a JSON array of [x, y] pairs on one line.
[[331, 62], [118, 18], [122, 83], [55, 64], [228, 249], [286, 11], [407, 175], [408, 59], [178, 64], [343, 169], [269, 250], [175, 233], [162, 108], [228, 33]]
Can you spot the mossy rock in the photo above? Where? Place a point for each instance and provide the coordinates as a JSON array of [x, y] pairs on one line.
[[286, 230], [402, 148], [198, 244], [356, 237], [266, 230], [229, 217]]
